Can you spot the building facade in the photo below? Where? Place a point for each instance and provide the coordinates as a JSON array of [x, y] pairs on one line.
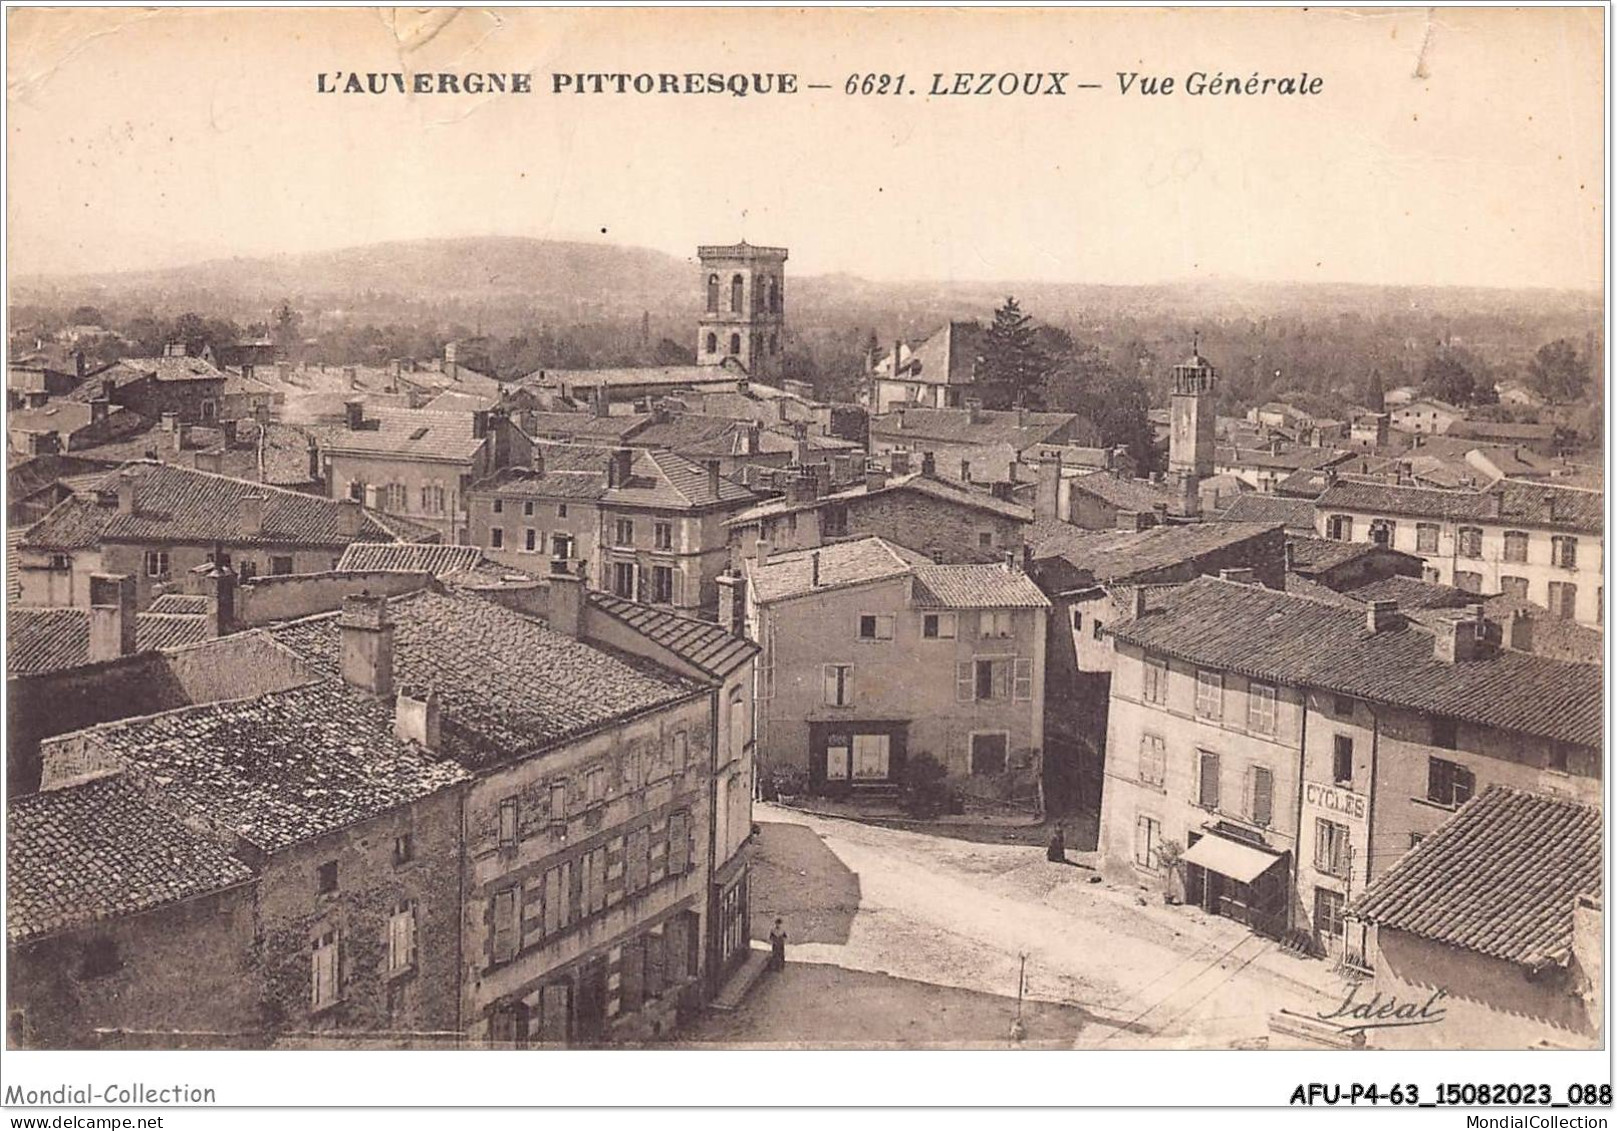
[[872, 655], [1533, 541]]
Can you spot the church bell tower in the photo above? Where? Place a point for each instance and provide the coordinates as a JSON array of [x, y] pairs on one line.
[[743, 320]]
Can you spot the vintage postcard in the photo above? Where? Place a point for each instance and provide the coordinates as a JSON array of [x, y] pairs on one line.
[[820, 529]]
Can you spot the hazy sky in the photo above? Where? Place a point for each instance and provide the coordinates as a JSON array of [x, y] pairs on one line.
[[1462, 147]]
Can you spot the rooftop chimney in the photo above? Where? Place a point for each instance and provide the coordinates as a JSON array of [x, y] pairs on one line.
[[974, 410], [128, 493], [1464, 638], [354, 414], [99, 408], [1047, 492], [898, 462], [712, 466], [112, 616], [619, 466], [367, 644], [733, 603], [250, 515], [1381, 616], [1133, 520], [1010, 563], [929, 464], [219, 586], [875, 479], [417, 718], [1139, 601], [169, 421], [1241, 575], [603, 401], [566, 600], [814, 568]]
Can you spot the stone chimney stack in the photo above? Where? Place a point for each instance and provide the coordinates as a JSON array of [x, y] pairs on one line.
[[712, 467], [929, 464], [417, 717], [1047, 492], [219, 586], [814, 569], [733, 603], [349, 513], [250, 515], [875, 478], [603, 401], [112, 616], [128, 493], [898, 462], [1381, 616], [566, 600], [367, 645]]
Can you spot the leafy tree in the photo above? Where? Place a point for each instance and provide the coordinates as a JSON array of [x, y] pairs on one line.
[[1082, 380], [1013, 371], [86, 316], [1446, 378], [1558, 373], [669, 352], [1375, 393], [191, 329]]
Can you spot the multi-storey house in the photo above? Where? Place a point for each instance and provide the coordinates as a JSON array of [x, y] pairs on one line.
[[873, 654], [941, 518], [1533, 541], [1293, 750], [157, 522], [419, 465], [585, 826]]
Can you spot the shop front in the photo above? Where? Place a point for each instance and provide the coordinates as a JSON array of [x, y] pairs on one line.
[[1238, 879], [848, 757]]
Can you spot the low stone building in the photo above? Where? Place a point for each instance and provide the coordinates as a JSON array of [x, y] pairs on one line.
[[1484, 920]]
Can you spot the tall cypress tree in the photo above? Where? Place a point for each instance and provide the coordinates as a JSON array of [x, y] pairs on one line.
[[1012, 372]]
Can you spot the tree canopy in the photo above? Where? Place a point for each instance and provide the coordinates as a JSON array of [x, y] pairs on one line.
[[1013, 371], [1558, 373]]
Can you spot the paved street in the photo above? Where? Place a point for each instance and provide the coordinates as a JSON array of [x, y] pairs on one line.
[[904, 938]]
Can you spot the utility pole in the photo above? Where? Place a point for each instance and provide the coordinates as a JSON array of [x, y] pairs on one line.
[[1018, 1029]]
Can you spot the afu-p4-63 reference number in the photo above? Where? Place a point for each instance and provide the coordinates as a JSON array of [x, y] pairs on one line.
[[1451, 1095]]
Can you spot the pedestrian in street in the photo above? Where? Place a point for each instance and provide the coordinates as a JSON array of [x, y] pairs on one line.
[[1057, 852], [777, 947]]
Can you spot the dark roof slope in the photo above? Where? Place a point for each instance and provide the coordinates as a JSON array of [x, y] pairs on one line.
[[975, 587], [1294, 514], [508, 683], [40, 640], [1271, 635], [1500, 877], [409, 557], [705, 645], [94, 851], [282, 768], [1127, 494], [1116, 555], [177, 504], [956, 426], [1507, 502]]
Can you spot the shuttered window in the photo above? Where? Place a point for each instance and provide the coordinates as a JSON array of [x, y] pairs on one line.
[[1207, 784], [1023, 686], [507, 931], [679, 843], [1262, 805]]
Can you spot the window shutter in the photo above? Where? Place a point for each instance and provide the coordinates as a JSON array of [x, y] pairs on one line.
[[1209, 780], [1262, 795], [965, 682], [679, 846], [830, 674], [505, 925], [1024, 681]]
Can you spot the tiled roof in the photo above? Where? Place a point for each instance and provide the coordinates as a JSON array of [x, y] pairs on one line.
[[704, 644], [284, 767], [1125, 494], [176, 504], [1412, 593], [840, 563], [40, 640], [669, 480], [455, 400], [94, 851], [671, 375], [975, 587], [409, 434], [1500, 430], [1500, 877], [1258, 632], [1551, 636], [955, 426], [1311, 556], [1290, 459], [1299, 586], [132, 369], [409, 557], [519, 482], [507, 683], [542, 425], [1294, 514], [179, 603], [1117, 555], [931, 485], [1507, 502]]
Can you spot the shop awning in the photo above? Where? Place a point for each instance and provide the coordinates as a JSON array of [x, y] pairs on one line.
[[1241, 863]]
